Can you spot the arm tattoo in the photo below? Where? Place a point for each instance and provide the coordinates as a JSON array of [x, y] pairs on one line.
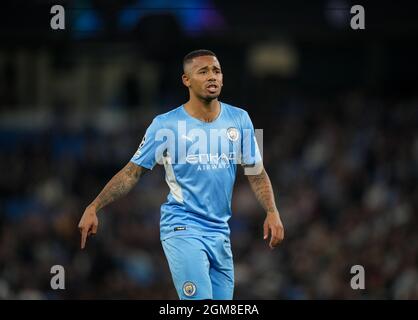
[[119, 185], [263, 191]]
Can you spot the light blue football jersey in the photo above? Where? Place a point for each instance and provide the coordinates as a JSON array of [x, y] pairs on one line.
[[200, 160]]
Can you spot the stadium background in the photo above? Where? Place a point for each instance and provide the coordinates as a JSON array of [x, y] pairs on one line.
[[339, 113]]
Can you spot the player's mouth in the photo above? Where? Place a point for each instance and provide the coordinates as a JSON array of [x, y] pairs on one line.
[[212, 87]]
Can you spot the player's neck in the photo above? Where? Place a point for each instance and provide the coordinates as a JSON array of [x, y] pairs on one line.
[[206, 111]]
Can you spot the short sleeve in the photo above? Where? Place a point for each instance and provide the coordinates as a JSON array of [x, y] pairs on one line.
[[251, 158], [147, 154]]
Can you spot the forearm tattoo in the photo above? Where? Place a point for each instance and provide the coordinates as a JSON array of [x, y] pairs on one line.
[[119, 185], [263, 190]]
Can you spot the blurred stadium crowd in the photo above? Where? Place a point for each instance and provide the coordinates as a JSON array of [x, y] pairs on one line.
[[345, 182], [343, 160]]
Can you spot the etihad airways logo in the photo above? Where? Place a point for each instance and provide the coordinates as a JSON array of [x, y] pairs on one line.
[[207, 161], [205, 158]]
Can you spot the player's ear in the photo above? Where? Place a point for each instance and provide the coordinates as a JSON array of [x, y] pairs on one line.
[[186, 80]]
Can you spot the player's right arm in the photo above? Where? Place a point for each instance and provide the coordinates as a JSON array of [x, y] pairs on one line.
[[117, 187], [143, 160]]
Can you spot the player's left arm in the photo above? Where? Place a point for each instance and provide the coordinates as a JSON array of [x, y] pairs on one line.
[[263, 190]]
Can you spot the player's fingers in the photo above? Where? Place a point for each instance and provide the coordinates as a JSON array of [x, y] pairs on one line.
[[274, 238], [280, 234], [274, 242], [265, 230], [94, 229], [83, 237]]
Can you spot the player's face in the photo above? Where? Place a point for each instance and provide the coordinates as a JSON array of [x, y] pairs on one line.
[[204, 77]]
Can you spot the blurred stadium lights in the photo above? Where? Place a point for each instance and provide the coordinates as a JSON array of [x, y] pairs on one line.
[[337, 12], [195, 17], [273, 58]]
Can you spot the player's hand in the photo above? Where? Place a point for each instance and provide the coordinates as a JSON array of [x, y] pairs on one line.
[[88, 224], [274, 226]]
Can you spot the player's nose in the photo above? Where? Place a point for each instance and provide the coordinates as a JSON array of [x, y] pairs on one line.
[[211, 76]]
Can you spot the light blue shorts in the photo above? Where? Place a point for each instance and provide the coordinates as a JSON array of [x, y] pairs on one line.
[[201, 266]]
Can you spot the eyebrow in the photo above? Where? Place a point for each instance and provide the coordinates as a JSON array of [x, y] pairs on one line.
[[206, 67]]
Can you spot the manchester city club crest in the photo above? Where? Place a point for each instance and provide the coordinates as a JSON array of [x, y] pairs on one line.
[[232, 134], [189, 288]]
